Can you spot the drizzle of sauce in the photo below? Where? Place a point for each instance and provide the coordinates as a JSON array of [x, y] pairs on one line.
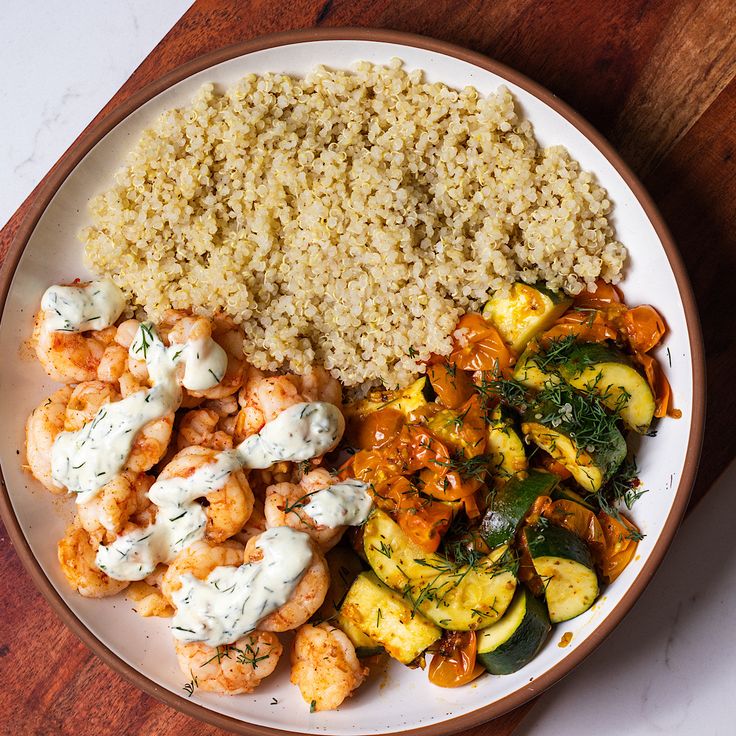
[[232, 600], [87, 459], [94, 306], [342, 504], [301, 432]]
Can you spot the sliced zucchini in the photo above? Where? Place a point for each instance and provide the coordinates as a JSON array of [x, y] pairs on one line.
[[551, 428], [514, 640], [509, 504], [564, 563], [458, 598], [529, 374], [405, 400], [386, 617], [503, 444], [610, 374], [523, 312], [563, 493], [345, 566]]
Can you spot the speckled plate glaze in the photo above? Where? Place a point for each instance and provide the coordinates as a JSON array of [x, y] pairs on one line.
[[398, 700]]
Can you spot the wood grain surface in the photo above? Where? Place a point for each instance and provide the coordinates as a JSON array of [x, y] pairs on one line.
[[655, 76]]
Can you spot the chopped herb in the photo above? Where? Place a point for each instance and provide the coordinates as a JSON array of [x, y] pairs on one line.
[[385, 549], [189, 687], [313, 706]]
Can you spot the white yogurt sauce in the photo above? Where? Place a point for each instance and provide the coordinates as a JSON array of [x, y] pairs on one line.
[[205, 363], [342, 504], [301, 432], [87, 459], [94, 306], [232, 600]]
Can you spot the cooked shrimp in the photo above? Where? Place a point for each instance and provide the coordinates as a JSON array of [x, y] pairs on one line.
[[105, 515], [227, 410], [324, 666], [307, 597], [227, 508], [319, 385], [70, 357], [150, 444], [233, 668], [263, 399], [149, 600], [113, 364], [85, 402], [255, 525], [76, 552], [200, 559], [126, 332], [43, 425], [198, 427], [284, 506]]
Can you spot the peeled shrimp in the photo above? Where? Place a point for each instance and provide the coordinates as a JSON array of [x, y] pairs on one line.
[[324, 666], [199, 427], [85, 402], [70, 357], [113, 364], [233, 668], [105, 515], [319, 385], [200, 559], [255, 525], [43, 425], [227, 508], [284, 506], [307, 597], [263, 398], [76, 552]]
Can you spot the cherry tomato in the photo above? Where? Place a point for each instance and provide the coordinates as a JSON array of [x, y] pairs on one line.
[[603, 295], [587, 326], [477, 346], [620, 545], [644, 327], [556, 467], [454, 664], [378, 428], [580, 521], [452, 385], [660, 386]]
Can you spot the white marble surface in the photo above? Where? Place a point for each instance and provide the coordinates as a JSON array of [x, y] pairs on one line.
[[669, 668]]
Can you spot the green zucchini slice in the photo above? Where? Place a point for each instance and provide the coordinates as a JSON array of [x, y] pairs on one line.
[[509, 504], [529, 374], [565, 565], [524, 311], [345, 566], [458, 598], [386, 617], [514, 640], [610, 374], [506, 450]]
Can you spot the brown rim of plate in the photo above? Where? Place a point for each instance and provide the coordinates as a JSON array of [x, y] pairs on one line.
[[91, 136]]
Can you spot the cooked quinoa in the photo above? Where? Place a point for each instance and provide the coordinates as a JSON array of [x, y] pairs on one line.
[[348, 218]]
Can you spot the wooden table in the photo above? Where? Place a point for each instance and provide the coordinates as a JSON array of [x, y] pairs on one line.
[[655, 76]]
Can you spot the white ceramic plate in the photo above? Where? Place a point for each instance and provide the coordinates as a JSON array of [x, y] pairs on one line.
[[401, 699]]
